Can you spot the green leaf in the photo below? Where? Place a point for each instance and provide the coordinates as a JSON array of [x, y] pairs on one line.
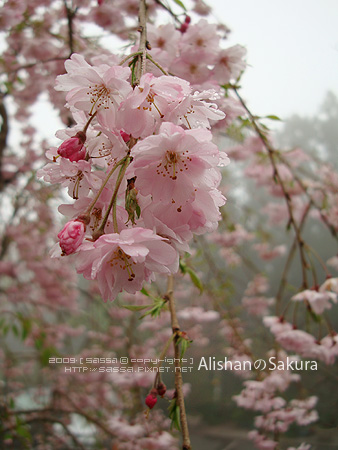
[[179, 3], [185, 344], [195, 279], [46, 354], [183, 266], [174, 415], [26, 328], [156, 309], [145, 292], [23, 432], [15, 330], [273, 117], [136, 307], [315, 316], [138, 211]]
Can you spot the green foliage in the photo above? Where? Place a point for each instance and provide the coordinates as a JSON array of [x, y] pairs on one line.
[[193, 275], [174, 415], [135, 307], [184, 343]]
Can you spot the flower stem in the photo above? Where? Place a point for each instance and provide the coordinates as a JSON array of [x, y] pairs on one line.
[[123, 169], [156, 64], [132, 55], [89, 121], [91, 206]]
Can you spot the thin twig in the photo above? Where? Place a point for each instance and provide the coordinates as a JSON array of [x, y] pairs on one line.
[[283, 281], [170, 11]]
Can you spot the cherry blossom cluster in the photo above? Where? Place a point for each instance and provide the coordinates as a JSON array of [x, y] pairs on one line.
[[140, 161], [277, 414]]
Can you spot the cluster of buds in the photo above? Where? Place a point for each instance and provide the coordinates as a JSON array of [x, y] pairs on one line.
[[185, 25], [151, 398]]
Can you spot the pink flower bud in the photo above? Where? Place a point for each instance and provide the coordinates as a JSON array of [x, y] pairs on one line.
[[71, 237], [187, 19], [73, 148], [125, 136], [161, 389], [151, 398], [184, 27]]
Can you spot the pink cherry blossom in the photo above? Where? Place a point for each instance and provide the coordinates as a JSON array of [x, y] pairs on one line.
[[172, 165], [149, 103], [319, 301], [229, 64], [94, 88], [194, 112], [331, 284], [124, 261], [202, 38], [297, 340]]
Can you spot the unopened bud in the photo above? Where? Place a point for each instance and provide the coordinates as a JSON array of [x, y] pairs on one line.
[[71, 236], [184, 27], [73, 148], [151, 398], [125, 136], [161, 389]]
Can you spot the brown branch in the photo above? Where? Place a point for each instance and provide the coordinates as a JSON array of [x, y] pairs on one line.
[[89, 418], [70, 17], [178, 375], [3, 138], [142, 49], [309, 196], [271, 153], [287, 266]]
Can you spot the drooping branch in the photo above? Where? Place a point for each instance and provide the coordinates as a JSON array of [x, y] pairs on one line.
[[178, 374], [277, 176]]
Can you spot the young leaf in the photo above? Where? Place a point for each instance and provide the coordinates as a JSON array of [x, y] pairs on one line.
[[195, 279], [185, 344], [145, 292], [273, 117], [136, 307], [174, 415], [138, 211], [183, 266], [179, 3]]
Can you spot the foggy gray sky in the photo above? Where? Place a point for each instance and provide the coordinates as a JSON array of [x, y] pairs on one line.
[[292, 51]]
